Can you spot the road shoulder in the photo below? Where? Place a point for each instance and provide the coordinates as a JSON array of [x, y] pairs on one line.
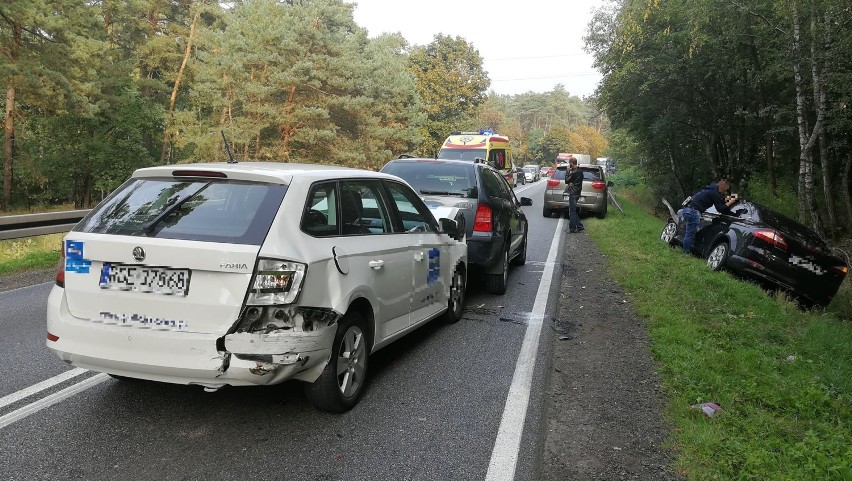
[[604, 413], [27, 278]]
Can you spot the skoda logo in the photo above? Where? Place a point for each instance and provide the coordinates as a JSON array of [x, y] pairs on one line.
[[139, 253]]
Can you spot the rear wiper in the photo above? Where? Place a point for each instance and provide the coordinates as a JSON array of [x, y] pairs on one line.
[[149, 227], [440, 192]]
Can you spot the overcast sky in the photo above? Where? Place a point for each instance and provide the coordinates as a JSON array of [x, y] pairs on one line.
[[527, 45]]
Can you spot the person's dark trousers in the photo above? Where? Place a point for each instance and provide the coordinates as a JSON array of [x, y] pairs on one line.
[[574, 224], [691, 217]]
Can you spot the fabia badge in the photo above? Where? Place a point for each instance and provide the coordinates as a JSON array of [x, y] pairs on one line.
[[139, 253]]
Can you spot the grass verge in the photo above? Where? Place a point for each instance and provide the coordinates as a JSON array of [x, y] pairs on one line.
[[782, 376], [20, 255]]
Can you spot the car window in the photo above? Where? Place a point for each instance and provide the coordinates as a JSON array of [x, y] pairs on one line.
[[413, 214], [591, 174], [461, 154], [320, 216], [202, 210], [497, 158], [492, 183], [361, 208], [559, 174], [435, 178]]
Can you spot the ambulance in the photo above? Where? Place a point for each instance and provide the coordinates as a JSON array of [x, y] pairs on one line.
[[484, 145]]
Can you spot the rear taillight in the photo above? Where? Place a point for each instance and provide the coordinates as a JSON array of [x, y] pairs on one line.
[[841, 269], [598, 185], [60, 269], [771, 237], [482, 221], [52, 337], [552, 182], [276, 282]]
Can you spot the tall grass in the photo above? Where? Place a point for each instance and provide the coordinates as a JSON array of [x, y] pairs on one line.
[[40, 252], [783, 377]]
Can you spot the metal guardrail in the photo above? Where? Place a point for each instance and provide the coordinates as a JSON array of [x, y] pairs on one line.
[[29, 225]]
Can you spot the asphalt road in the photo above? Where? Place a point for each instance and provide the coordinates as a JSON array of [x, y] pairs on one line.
[[431, 411]]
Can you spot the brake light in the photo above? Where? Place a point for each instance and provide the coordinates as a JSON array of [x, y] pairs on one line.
[[276, 282], [482, 221], [52, 337], [598, 185], [841, 269], [60, 269], [552, 182], [198, 173], [771, 237]]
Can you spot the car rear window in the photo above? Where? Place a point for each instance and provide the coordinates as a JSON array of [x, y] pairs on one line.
[[559, 174], [214, 211], [590, 174], [435, 178]]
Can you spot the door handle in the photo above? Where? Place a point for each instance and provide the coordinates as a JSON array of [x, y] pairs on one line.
[[418, 256], [376, 265]]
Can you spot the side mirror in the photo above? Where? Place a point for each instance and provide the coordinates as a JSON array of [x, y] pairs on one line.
[[526, 201], [450, 227]]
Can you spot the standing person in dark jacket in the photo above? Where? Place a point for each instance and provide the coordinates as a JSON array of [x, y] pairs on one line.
[[711, 194], [573, 187]]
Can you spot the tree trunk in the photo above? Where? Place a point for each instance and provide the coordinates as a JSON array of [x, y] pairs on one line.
[[819, 102], [8, 151], [847, 200], [806, 204], [9, 123], [170, 117], [770, 163]]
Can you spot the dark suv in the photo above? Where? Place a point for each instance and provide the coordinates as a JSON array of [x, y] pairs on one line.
[[495, 226]]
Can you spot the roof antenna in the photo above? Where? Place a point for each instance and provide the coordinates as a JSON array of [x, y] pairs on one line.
[[228, 149]]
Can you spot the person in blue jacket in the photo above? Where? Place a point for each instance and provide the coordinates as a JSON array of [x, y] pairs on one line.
[[711, 194]]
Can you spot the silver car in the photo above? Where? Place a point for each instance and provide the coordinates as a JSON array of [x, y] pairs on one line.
[[252, 274], [593, 197]]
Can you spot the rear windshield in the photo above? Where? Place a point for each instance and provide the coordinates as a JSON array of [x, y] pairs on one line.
[[436, 178], [462, 154], [588, 174], [214, 211]]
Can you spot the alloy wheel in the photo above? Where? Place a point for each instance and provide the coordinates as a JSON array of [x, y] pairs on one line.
[[717, 256], [351, 361]]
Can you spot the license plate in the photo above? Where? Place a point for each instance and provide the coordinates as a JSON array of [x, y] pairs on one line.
[[154, 280]]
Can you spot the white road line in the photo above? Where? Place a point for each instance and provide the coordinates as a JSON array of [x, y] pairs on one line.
[[504, 456], [35, 388], [26, 287], [48, 401]]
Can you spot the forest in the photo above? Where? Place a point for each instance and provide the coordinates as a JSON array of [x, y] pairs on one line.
[[97, 88], [758, 91]]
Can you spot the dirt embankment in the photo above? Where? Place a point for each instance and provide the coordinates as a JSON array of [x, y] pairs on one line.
[[604, 413]]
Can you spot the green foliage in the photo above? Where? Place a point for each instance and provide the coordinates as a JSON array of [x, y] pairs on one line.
[[299, 82], [706, 88], [783, 377], [783, 199], [451, 84], [626, 177]]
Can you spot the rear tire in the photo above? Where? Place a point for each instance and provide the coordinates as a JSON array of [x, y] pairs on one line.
[[717, 257], [342, 381], [455, 304], [546, 212], [496, 283], [602, 214]]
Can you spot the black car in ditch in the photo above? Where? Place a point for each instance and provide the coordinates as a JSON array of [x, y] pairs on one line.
[[762, 244], [493, 221]]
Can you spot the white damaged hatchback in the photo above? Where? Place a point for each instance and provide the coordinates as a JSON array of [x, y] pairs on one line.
[[252, 274]]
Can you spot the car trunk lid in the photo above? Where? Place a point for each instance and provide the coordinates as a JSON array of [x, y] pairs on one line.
[[178, 285]]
